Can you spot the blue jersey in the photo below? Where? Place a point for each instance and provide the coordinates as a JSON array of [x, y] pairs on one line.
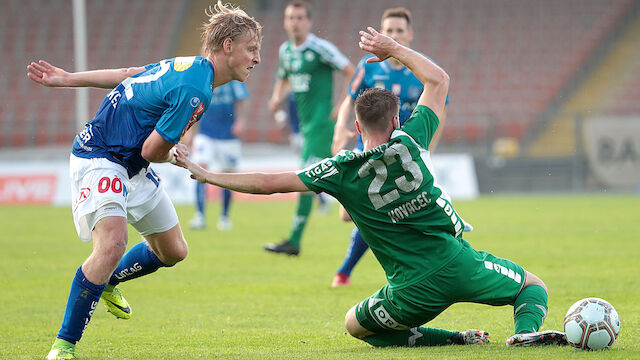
[[168, 96], [217, 120], [401, 82]]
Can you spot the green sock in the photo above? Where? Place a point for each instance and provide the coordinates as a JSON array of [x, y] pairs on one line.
[[530, 309], [417, 336], [305, 202]]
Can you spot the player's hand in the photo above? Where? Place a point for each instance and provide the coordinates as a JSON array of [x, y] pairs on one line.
[[179, 150], [46, 74], [379, 45], [341, 137]]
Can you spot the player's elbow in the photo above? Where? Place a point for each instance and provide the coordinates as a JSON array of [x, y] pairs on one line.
[[152, 155], [443, 80]]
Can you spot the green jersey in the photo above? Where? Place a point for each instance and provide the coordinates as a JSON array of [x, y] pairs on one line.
[[309, 68], [392, 195]]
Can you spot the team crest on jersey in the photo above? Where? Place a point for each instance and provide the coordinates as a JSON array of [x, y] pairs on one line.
[[183, 63], [194, 102], [309, 56]]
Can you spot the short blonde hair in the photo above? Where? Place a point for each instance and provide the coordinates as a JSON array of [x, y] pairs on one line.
[[226, 21]]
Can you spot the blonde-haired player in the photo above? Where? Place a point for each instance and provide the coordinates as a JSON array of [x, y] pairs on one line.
[[140, 121]]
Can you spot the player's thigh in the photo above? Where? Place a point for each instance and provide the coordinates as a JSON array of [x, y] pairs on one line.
[[389, 310], [98, 190], [227, 154], [203, 149], [481, 277]]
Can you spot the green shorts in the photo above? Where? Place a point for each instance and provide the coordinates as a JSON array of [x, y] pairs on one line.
[[472, 276], [317, 144]]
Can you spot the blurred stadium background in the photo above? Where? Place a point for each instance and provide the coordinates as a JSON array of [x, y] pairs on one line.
[[545, 94]]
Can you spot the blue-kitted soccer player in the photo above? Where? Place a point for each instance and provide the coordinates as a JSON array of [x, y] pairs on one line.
[[395, 77], [140, 121], [216, 145]]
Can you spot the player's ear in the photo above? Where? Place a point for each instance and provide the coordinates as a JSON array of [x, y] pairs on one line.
[[410, 35], [227, 45], [395, 121], [358, 127]]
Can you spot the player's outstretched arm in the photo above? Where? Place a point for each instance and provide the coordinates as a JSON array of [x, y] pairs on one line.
[[252, 183], [46, 74], [434, 78]]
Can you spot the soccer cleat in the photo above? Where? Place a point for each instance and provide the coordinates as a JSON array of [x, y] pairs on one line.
[[224, 223], [548, 337], [470, 337], [115, 302], [198, 222], [62, 350], [341, 279], [284, 247]]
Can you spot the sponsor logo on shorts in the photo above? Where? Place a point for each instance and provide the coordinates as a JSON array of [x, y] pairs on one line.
[[384, 318], [504, 271], [85, 193]]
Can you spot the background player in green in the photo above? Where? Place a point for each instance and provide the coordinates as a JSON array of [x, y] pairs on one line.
[[306, 68], [392, 195]]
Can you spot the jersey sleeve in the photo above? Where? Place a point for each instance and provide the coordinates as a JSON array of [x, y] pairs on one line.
[[329, 54], [186, 105], [323, 176], [239, 90], [357, 84], [422, 125]]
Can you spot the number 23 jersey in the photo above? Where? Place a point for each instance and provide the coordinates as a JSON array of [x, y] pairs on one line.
[[169, 96], [392, 195]]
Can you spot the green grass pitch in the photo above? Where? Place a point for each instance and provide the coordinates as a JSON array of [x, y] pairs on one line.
[[231, 300]]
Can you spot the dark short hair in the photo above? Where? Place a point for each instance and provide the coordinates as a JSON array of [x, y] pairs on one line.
[[301, 4], [374, 107], [398, 12]]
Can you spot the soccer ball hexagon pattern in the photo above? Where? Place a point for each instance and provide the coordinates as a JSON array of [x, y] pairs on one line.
[[591, 324]]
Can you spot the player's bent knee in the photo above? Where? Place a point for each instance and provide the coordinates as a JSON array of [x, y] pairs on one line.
[[352, 325], [534, 280], [177, 254]]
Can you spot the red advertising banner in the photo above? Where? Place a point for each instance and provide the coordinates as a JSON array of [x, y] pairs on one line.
[[27, 188]]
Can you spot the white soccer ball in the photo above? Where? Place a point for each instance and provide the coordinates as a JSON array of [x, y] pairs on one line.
[[591, 324]]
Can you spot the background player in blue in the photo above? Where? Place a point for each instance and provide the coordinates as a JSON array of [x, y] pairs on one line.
[[216, 145], [395, 77], [140, 121]]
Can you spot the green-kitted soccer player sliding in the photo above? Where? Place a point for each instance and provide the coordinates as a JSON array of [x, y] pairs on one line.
[[390, 193]]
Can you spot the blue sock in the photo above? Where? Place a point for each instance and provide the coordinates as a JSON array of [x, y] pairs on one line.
[[357, 248], [201, 197], [83, 299], [138, 261], [226, 200]]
